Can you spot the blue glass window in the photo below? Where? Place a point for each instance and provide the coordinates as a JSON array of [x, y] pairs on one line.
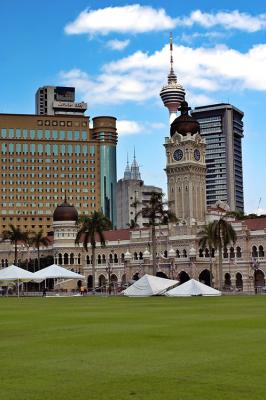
[[54, 135], [84, 135], [62, 135], [11, 133], [18, 133], [70, 135], [55, 149], [3, 132], [39, 134], [47, 134], [76, 135], [32, 148], [32, 133], [25, 133]]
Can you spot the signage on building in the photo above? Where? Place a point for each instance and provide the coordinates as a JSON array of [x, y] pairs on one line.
[[70, 105]]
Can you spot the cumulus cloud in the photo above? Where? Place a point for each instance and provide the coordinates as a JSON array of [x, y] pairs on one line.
[[228, 20], [140, 76], [116, 44], [126, 127], [126, 19], [136, 18]]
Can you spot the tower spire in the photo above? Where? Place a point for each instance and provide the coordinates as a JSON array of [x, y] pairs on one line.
[[173, 93]]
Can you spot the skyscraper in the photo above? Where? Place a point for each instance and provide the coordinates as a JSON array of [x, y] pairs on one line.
[[222, 127], [43, 157], [173, 93], [54, 100]]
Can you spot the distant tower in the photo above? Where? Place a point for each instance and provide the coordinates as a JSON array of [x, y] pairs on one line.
[[127, 173], [173, 93], [135, 173]]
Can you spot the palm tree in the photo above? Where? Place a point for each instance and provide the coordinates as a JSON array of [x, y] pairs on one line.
[[207, 240], [15, 235], [223, 235], [37, 239], [156, 214], [90, 227]]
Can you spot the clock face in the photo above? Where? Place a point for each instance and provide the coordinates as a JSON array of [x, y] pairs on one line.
[[178, 155], [197, 154]]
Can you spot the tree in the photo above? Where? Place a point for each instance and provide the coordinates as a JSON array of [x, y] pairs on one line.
[[37, 239], [223, 234], [156, 214], [15, 235], [89, 228], [207, 240]]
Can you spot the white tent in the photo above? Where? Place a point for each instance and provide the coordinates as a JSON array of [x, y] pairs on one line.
[[14, 273], [193, 288], [56, 272], [149, 285]]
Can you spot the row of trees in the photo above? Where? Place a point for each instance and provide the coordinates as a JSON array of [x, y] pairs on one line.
[[31, 239]]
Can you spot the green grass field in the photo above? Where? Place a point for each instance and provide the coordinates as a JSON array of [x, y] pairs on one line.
[[122, 348]]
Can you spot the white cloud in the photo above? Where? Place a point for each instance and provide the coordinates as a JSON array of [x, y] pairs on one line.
[[211, 36], [228, 20], [140, 76], [116, 44], [126, 19], [125, 127]]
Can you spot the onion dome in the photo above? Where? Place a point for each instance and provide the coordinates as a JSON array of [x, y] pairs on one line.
[[65, 212], [146, 254], [184, 123], [127, 256], [171, 253], [192, 252]]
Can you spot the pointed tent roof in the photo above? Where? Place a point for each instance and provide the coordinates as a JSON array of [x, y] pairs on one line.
[[56, 272], [14, 273], [149, 285], [193, 288]]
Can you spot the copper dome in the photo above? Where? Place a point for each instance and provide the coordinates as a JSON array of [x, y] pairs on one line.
[[184, 123], [65, 212]]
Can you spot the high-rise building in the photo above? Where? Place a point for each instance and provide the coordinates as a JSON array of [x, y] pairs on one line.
[[132, 196], [43, 157], [173, 93], [54, 100], [222, 127]]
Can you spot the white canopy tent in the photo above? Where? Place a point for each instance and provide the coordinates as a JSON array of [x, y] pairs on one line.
[[16, 274], [149, 285], [192, 288], [55, 272]]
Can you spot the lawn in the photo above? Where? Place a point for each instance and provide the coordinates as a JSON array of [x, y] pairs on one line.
[[121, 348]]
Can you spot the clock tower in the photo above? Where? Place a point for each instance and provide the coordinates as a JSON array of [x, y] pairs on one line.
[[186, 169]]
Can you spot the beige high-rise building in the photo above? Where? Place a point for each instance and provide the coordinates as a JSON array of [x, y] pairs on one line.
[[44, 157], [185, 169]]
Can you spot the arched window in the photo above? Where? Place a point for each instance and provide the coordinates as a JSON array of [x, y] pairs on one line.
[[225, 252], [140, 255], [6, 262], [238, 252], [66, 259], [135, 256], [79, 259], [165, 254], [254, 251], [177, 253], [115, 259], [71, 258], [88, 259], [184, 253], [122, 257], [60, 259], [200, 252], [232, 252], [213, 252], [3, 263], [261, 251], [110, 257], [103, 259], [99, 259], [207, 253], [239, 282]]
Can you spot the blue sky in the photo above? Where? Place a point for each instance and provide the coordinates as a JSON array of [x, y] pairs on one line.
[[116, 54]]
